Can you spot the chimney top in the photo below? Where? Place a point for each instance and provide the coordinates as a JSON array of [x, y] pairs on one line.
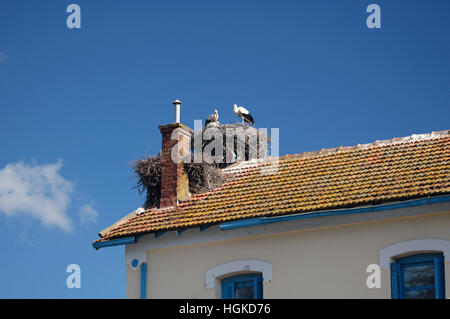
[[177, 104]]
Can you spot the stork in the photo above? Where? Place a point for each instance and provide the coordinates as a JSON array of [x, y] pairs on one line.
[[213, 118], [244, 114]]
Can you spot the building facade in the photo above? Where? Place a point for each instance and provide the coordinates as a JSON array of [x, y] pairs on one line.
[[323, 258]]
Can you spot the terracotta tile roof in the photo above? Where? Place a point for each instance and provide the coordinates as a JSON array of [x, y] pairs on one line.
[[384, 171]]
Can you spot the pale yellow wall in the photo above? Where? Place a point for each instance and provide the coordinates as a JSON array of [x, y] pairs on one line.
[[133, 283], [321, 263]]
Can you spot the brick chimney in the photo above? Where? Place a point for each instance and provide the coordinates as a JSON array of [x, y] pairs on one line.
[[176, 143]]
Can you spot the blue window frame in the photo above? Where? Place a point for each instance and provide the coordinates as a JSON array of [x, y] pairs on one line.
[[418, 276], [247, 286]]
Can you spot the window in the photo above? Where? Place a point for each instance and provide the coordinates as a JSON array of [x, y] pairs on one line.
[[247, 286], [418, 276]]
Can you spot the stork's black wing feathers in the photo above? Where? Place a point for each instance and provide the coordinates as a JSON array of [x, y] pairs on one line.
[[248, 118]]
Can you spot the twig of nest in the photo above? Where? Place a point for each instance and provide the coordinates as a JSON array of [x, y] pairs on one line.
[[202, 177], [148, 172]]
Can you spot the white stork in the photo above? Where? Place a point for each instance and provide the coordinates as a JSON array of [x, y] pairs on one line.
[[213, 118], [244, 114]]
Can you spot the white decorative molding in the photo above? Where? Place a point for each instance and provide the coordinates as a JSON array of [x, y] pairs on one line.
[[428, 244], [236, 266]]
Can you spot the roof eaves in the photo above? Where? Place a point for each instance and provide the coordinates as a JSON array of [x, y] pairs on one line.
[[366, 209], [121, 221]]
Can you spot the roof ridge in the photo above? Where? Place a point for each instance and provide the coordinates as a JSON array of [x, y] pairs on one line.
[[243, 165], [392, 141]]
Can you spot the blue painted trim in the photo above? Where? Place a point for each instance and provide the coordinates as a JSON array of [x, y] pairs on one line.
[[417, 258], [439, 276], [143, 280], [203, 228], [368, 209], [395, 282], [115, 242]]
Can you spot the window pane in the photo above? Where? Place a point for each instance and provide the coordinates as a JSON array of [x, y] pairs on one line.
[[244, 290], [229, 291], [245, 286], [418, 276], [419, 294]]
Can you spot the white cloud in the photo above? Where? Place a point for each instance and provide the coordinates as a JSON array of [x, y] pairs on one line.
[[36, 190], [88, 214]]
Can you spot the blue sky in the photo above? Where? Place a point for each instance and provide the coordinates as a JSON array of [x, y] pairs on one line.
[[77, 106]]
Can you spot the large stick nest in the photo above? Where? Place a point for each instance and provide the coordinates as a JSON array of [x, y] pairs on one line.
[[207, 174], [202, 178]]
